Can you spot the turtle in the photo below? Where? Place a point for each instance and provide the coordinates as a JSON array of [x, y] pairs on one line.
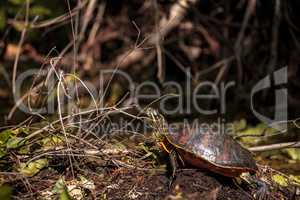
[[216, 152]]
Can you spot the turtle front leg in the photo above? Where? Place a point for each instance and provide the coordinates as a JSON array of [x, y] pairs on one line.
[[263, 191], [173, 162]]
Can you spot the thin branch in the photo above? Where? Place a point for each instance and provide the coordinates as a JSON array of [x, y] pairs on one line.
[[275, 146], [20, 47]]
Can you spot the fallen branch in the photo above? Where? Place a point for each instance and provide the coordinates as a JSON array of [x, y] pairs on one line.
[[275, 146]]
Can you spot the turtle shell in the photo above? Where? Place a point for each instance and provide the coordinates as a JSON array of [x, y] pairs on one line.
[[217, 152]]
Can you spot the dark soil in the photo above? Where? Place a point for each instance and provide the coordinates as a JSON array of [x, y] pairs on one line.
[[189, 184], [135, 178], [124, 183]]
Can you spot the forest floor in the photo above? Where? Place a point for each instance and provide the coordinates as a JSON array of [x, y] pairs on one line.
[[95, 179]]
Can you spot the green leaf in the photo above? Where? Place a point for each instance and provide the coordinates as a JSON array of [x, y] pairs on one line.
[[240, 125], [257, 130], [4, 136], [15, 142], [51, 142], [25, 150], [33, 167], [64, 195], [5, 192], [61, 189], [39, 10], [59, 186], [2, 153], [26, 130], [293, 153], [20, 130], [281, 180], [295, 180], [18, 2]]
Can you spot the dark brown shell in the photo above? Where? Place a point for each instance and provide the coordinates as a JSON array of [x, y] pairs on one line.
[[214, 151]]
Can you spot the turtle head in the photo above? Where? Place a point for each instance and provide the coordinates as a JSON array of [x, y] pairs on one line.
[[157, 122]]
